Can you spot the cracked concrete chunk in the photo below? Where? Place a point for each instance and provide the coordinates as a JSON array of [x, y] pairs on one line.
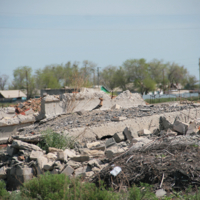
[[68, 170], [3, 174], [25, 146], [144, 132], [35, 154], [130, 133], [180, 127], [89, 152], [74, 164], [11, 150], [192, 128], [92, 144], [113, 151], [81, 171], [69, 153], [94, 163], [110, 142], [164, 124], [81, 158], [119, 137]]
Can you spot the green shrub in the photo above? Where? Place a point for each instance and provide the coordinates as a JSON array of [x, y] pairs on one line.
[[3, 191], [59, 186], [143, 192], [57, 140]]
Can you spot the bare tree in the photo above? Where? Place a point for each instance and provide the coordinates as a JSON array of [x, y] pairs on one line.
[[3, 81]]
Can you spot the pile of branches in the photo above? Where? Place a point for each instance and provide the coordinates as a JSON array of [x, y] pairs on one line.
[[168, 163]]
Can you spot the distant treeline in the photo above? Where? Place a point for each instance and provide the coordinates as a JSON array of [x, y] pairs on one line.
[[134, 74]]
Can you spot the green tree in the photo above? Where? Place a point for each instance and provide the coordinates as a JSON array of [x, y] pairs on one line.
[[177, 74], [23, 79], [158, 72], [138, 73], [108, 77], [49, 77], [121, 78], [192, 83], [3, 81]]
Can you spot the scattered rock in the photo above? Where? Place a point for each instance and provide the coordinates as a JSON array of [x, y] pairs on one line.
[[180, 127], [119, 137], [110, 142]]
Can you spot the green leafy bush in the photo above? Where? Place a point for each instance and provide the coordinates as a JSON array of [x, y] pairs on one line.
[[57, 140]]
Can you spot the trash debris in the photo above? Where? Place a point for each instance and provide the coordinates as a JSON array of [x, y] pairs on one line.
[[116, 171]]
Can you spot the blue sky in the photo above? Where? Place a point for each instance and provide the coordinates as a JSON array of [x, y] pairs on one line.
[[37, 33]]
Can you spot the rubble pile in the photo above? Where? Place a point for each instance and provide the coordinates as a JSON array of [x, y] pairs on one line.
[[33, 104], [169, 161], [22, 159], [169, 154], [97, 118]]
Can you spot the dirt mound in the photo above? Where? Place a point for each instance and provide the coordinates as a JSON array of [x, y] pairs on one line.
[[160, 164]]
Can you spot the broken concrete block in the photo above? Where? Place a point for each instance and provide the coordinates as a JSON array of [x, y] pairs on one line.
[[24, 174], [74, 164], [25, 146], [192, 128], [32, 138], [9, 121], [96, 169], [118, 118], [81, 171], [61, 156], [89, 174], [116, 106], [58, 165], [93, 144], [171, 133], [51, 156], [53, 150], [110, 142], [3, 174], [119, 137], [144, 132], [94, 163], [69, 153], [41, 161], [113, 151], [180, 127], [68, 170], [26, 118], [48, 165], [81, 158], [164, 124], [10, 110], [35, 154], [101, 147], [89, 152], [130, 133], [11, 151]]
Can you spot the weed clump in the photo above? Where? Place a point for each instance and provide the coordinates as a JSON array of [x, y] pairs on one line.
[[57, 140]]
